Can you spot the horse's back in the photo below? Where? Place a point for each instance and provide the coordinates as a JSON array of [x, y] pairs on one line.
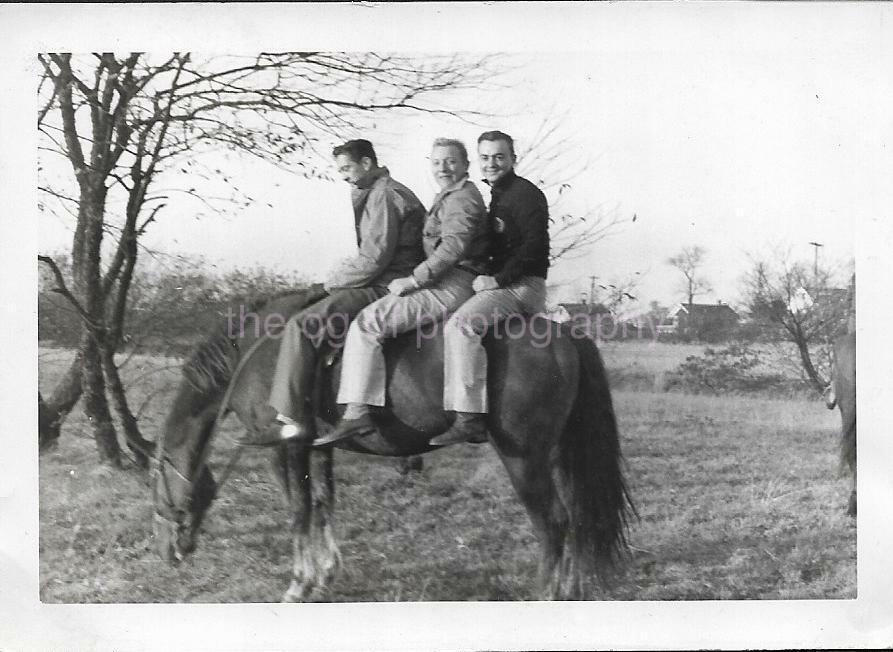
[[532, 378]]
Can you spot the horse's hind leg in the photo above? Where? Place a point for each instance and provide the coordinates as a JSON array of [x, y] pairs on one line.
[[531, 478]]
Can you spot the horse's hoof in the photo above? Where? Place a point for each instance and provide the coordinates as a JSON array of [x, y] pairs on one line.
[[292, 596], [296, 592]]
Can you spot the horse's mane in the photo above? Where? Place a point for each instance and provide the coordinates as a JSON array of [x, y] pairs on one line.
[[212, 362]]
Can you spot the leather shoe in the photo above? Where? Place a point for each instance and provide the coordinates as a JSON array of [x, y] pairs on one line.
[[469, 427], [346, 429], [277, 433]]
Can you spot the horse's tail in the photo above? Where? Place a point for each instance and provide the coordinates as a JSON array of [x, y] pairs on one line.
[[591, 483]]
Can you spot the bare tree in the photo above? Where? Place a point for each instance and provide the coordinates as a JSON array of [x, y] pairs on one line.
[[551, 161], [689, 262], [803, 304], [121, 122], [616, 294]]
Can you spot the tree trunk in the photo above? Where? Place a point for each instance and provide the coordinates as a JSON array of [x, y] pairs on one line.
[[55, 409], [142, 449], [810, 369], [96, 406]]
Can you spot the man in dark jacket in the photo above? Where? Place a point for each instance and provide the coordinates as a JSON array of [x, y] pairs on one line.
[[519, 222], [388, 220]]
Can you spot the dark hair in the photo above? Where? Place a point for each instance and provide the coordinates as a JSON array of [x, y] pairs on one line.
[[498, 135], [356, 150]]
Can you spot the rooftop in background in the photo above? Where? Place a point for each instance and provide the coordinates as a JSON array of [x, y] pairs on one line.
[[702, 309], [585, 308]]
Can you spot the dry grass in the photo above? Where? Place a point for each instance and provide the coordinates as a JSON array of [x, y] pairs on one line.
[[646, 356], [739, 498]]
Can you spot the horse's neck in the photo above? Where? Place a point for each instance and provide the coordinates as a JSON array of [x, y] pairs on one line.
[[190, 420]]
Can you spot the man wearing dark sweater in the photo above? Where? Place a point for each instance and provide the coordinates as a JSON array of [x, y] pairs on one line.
[[519, 223]]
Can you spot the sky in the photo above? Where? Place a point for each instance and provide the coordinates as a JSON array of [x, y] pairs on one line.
[[733, 130]]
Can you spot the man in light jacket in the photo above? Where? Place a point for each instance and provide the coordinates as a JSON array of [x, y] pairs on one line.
[[388, 219]]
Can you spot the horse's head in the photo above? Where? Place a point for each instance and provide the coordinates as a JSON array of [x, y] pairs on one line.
[[180, 505], [183, 485]]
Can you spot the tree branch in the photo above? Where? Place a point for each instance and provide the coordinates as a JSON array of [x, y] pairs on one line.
[[62, 289]]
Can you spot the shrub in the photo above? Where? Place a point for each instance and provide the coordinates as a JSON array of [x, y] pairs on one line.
[[735, 368], [171, 304]]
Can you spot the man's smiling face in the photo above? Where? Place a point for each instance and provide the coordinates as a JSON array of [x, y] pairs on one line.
[[496, 159]]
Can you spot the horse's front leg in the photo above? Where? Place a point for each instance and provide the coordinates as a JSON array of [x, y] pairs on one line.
[[324, 549], [296, 462], [315, 555]]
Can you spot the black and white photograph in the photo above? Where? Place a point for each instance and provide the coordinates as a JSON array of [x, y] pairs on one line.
[[540, 318]]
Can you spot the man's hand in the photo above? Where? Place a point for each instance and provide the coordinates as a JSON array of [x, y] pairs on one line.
[[403, 286], [482, 283]]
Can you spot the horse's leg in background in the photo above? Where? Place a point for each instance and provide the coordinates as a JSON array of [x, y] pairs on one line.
[[849, 456], [279, 467], [411, 464]]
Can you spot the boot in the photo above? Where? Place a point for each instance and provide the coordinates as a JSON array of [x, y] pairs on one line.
[[470, 427], [278, 432], [300, 424], [346, 429]]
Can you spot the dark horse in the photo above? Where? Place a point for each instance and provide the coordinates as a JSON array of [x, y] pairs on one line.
[[842, 393], [551, 422]]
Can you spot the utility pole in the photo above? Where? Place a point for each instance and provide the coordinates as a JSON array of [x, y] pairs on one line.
[[592, 288], [815, 263]]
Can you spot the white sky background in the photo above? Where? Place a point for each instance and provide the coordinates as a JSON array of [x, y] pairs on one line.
[[730, 131], [697, 113]]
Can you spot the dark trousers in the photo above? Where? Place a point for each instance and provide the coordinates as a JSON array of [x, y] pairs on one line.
[[322, 324]]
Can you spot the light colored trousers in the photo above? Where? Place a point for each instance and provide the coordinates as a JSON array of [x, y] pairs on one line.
[[363, 372], [324, 323], [465, 360]]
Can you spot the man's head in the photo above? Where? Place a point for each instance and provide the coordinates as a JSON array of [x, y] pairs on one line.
[[354, 160], [496, 153], [449, 161]]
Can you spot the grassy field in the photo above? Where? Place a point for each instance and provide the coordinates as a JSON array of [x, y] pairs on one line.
[[739, 498]]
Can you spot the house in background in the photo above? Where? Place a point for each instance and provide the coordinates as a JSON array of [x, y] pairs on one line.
[[594, 319], [571, 311], [702, 321]]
